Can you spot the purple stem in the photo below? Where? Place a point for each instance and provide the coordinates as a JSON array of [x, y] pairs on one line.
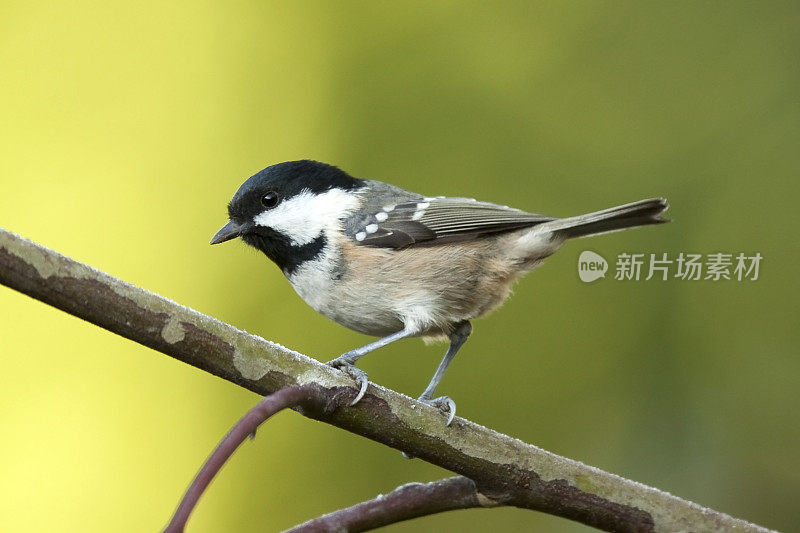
[[247, 425]]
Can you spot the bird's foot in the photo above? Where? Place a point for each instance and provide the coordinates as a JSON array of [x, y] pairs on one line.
[[444, 404], [344, 364]]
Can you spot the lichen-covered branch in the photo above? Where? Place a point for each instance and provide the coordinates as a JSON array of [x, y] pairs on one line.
[[504, 469], [403, 503]]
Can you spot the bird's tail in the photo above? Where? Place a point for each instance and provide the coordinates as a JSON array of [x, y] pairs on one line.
[[641, 213]]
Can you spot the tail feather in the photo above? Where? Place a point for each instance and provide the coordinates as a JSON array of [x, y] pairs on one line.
[[641, 213]]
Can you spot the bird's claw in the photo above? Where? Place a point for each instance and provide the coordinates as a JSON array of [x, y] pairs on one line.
[[358, 375], [444, 404]]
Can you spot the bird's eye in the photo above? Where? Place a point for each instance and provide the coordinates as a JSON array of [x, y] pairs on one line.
[[270, 199]]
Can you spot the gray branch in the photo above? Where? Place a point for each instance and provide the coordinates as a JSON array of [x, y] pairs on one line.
[[505, 470]]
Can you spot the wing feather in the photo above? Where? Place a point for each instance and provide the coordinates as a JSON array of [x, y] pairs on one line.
[[439, 220]]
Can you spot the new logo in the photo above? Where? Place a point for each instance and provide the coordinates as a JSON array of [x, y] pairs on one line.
[[591, 266]]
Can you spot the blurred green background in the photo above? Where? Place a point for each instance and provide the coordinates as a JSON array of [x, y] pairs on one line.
[[126, 127]]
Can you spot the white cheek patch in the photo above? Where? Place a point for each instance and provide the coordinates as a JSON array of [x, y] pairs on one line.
[[303, 217]]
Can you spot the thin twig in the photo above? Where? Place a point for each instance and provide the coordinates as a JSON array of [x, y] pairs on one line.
[[403, 503], [503, 468], [247, 425]]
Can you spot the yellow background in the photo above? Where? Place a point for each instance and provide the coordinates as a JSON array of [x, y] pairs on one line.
[[125, 127]]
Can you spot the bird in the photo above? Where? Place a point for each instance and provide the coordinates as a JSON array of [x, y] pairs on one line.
[[394, 264]]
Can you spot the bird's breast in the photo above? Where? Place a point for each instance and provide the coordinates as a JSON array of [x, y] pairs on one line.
[[379, 291]]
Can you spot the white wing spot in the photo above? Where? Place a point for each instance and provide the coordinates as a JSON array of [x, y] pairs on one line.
[[360, 236], [380, 217], [372, 228], [418, 215], [423, 205], [388, 208]]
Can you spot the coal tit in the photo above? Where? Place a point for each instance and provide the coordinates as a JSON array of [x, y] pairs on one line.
[[393, 263]]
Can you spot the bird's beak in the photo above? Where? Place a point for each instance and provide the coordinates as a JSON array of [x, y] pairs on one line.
[[229, 231]]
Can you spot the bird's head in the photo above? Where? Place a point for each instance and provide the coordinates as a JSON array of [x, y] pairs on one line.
[[285, 209]]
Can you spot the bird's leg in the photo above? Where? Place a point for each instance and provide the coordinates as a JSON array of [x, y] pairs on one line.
[[346, 361], [457, 338]]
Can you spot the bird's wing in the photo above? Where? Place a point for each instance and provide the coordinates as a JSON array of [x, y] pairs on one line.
[[440, 220]]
